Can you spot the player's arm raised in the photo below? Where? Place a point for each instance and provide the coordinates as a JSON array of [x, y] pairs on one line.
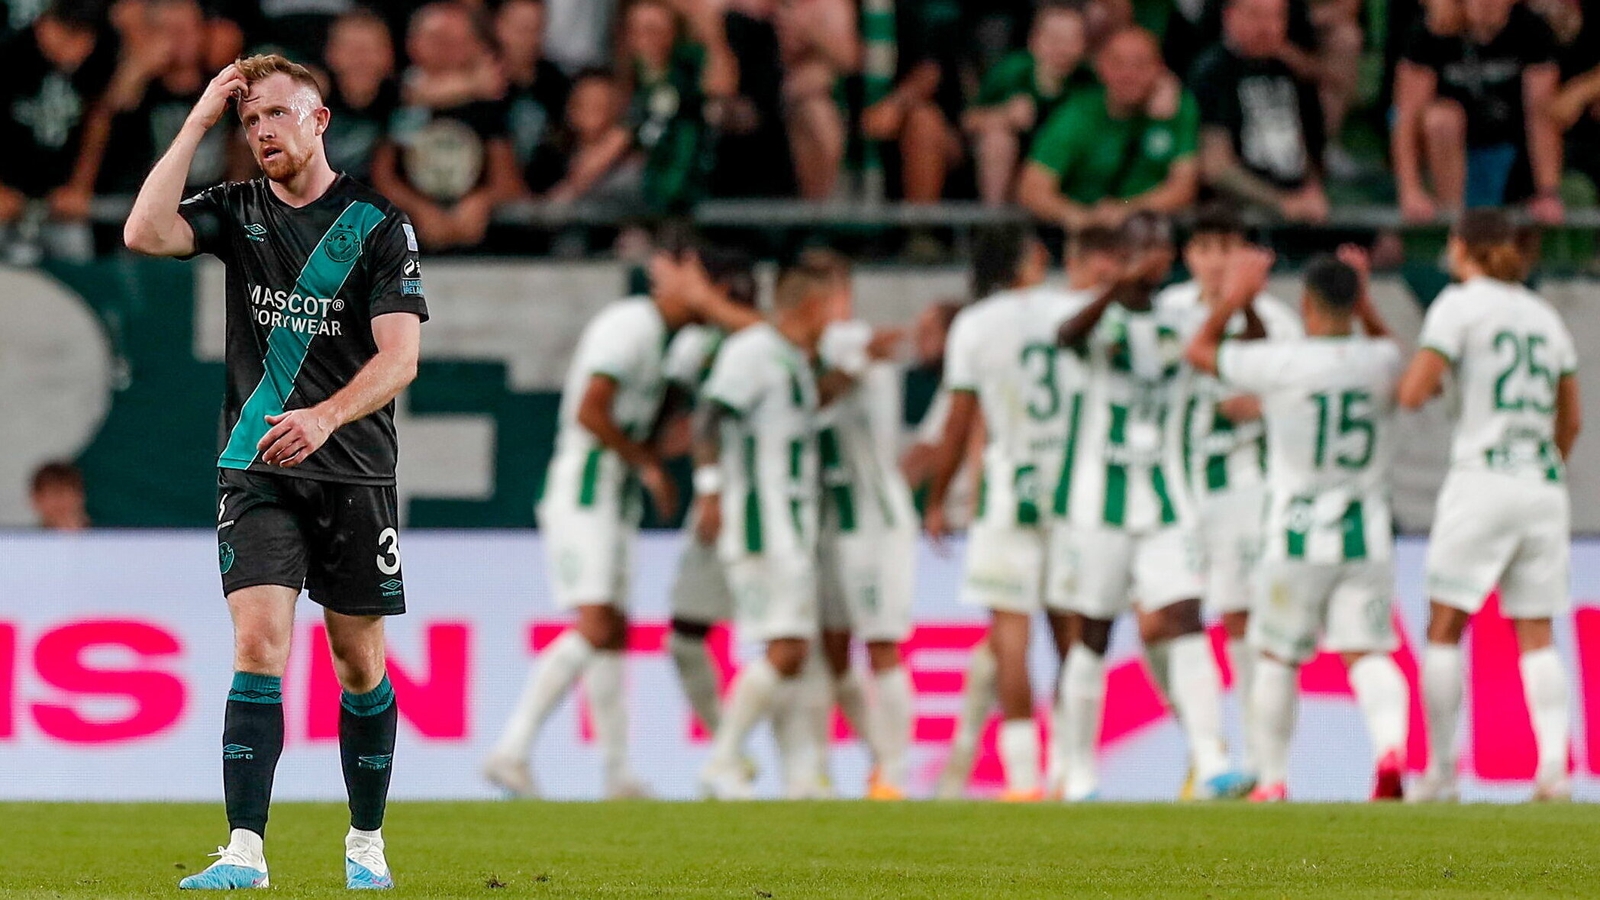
[[298, 433], [1248, 268], [1372, 322], [154, 226]]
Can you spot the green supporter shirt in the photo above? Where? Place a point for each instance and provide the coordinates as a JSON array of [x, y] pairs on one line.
[[1085, 147], [667, 116], [1015, 75]]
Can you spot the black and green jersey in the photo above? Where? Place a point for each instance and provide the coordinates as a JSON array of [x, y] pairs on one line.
[[302, 288]]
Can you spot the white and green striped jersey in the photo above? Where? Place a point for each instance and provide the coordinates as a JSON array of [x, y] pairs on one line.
[[1509, 349], [627, 342], [1119, 477], [1329, 406], [858, 440], [1214, 454], [1003, 349], [769, 449]]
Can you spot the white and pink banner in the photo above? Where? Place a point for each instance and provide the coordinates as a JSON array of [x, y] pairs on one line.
[[115, 649]]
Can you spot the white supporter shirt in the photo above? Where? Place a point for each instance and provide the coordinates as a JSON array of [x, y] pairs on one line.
[[627, 342], [1329, 405], [769, 450], [1509, 349], [1214, 455], [858, 440], [1120, 477], [1003, 349]]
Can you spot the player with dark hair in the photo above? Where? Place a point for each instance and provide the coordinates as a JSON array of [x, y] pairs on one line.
[[325, 306], [1326, 570]]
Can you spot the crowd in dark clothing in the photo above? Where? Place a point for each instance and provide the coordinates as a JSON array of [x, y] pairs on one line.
[[1081, 111]]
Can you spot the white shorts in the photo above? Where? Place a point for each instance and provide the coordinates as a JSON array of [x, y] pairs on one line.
[[775, 596], [1230, 534], [1116, 569], [1489, 529], [865, 579], [700, 591], [1349, 605], [1006, 567], [590, 554]]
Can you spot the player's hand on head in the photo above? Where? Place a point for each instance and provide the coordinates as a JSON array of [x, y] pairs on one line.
[[293, 437], [223, 89], [1248, 269]]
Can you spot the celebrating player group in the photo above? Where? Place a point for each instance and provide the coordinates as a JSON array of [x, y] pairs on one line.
[[1177, 453]]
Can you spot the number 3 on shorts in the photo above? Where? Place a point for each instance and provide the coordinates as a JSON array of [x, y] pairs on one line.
[[389, 552]]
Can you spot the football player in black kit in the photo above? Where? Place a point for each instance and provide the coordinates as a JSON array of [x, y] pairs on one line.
[[324, 312]]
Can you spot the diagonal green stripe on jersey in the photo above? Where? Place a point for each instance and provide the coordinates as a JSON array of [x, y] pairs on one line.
[[324, 275]]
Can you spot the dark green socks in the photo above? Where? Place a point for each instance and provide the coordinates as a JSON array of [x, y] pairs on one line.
[[367, 725], [252, 741]]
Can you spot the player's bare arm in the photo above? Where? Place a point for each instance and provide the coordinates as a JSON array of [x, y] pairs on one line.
[[154, 226], [595, 415], [707, 453], [298, 433], [1372, 322], [1569, 414], [947, 460], [1423, 379], [1248, 268]]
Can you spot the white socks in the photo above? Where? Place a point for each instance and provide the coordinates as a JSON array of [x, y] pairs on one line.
[[1082, 694], [1273, 699], [1544, 683], [1197, 701], [602, 681], [553, 675], [1019, 756], [697, 676], [891, 719], [1381, 690], [1441, 694], [977, 698], [1243, 659], [360, 846], [753, 695], [851, 697], [245, 845], [1158, 658]]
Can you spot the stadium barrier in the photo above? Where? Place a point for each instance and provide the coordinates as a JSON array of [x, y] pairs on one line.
[[114, 661]]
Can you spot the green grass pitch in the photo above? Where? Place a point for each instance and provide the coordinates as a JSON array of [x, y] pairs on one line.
[[802, 850]]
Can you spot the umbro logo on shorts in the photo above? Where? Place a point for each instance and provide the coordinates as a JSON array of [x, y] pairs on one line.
[[378, 762], [392, 587], [238, 751]]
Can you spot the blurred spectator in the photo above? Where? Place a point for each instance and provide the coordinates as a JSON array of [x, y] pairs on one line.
[[361, 92], [1324, 46], [57, 496], [1576, 107], [51, 76], [1261, 136], [448, 160], [161, 75], [598, 159], [679, 66], [578, 33], [1019, 94], [537, 100], [821, 46], [926, 98], [1469, 103], [1112, 150], [296, 28], [752, 123]]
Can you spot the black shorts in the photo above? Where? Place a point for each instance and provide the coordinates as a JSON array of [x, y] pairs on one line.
[[339, 541]]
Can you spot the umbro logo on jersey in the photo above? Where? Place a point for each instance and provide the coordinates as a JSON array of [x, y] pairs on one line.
[[255, 232]]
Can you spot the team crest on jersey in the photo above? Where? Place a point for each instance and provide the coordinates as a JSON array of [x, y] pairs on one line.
[[343, 243]]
